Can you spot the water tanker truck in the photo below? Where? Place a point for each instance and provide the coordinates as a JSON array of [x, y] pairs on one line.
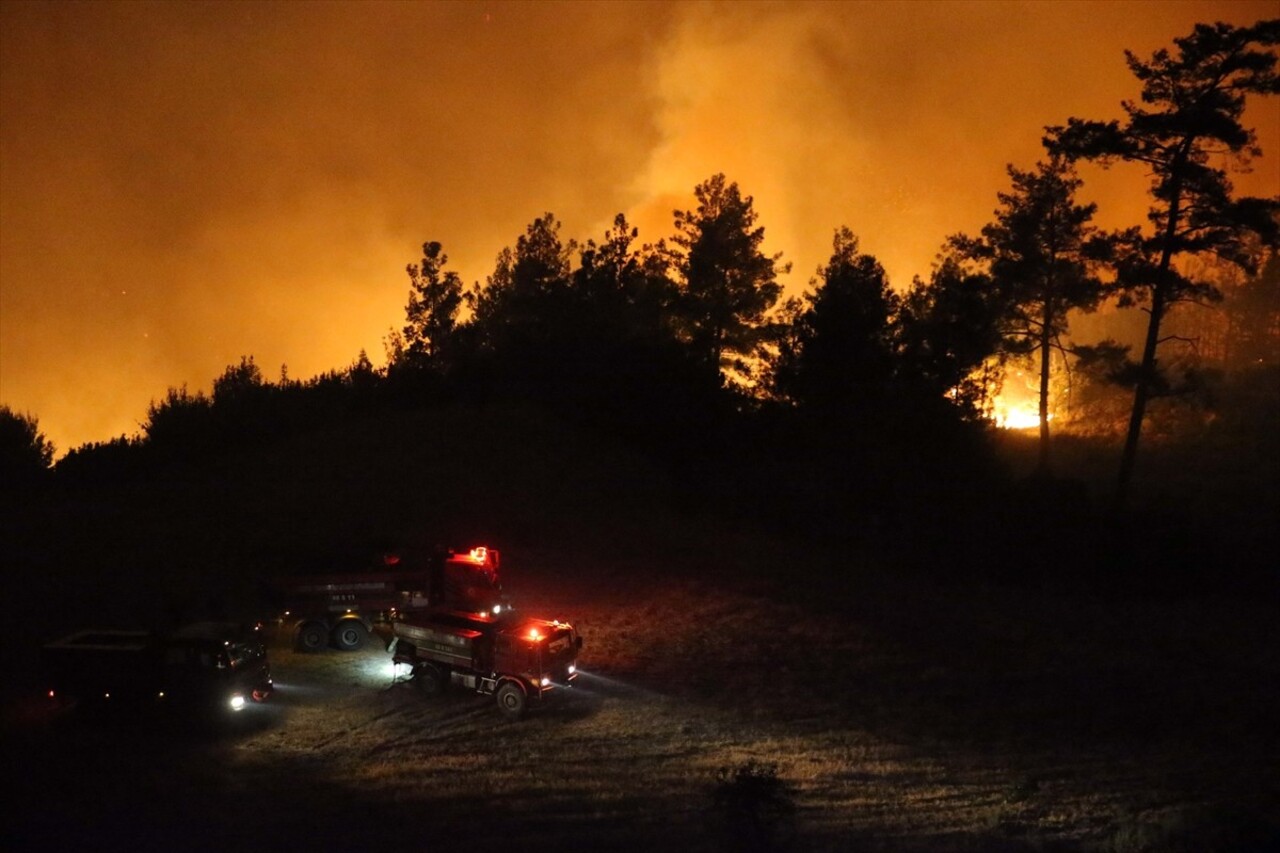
[[516, 659], [340, 609]]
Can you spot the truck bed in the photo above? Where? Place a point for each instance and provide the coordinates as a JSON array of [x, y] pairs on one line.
[[102, 664]]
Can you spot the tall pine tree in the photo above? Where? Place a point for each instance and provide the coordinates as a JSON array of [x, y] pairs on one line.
[[1190, 115], [1036, 254], [728, 285], [435, 295]]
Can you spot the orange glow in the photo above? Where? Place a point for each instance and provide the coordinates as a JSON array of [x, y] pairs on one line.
[[535, 634], [479, 554], [293, 195]]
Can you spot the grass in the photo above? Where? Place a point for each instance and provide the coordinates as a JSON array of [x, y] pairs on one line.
[[905, 716], [901, 714]]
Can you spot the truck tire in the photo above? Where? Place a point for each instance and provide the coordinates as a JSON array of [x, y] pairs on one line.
[[512, 700], [311, 637], [349, 635], [430, 679]]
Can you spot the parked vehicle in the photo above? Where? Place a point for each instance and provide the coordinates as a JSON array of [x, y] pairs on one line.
[[445, 621], [517, 660], [204, 666], [340, 609]]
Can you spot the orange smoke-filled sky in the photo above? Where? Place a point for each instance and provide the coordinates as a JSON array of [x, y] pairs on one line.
[[183, 184]]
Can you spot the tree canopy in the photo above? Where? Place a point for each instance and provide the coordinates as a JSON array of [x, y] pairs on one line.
[[435, 295], [25, 453], [840, 352], [727, 284], [1036, 253]]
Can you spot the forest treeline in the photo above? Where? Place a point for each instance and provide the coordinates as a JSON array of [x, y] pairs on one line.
[[858, 402]]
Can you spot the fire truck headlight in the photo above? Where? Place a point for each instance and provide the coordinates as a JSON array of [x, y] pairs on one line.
[[497, 608], [237, 702], [546, 681], [573, 667]]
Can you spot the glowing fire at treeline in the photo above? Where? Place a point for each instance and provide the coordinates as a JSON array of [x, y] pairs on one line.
[[275, 219]]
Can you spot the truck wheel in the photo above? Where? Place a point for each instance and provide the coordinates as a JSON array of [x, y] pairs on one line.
[[430, 679], [512, 700], [350, 635], [311, 637]]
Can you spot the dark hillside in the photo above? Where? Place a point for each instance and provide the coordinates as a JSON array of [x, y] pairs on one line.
[[145, 536], [174, 538], [992, 654]]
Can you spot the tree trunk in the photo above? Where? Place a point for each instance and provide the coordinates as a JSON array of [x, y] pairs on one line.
[[1147, 371], [1045, 340], [1146, 377]]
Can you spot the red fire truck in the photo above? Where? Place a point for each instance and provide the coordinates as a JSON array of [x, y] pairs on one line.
[[516, 659], [341, 609]]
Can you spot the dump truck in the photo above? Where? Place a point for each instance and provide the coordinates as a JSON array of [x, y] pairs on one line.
[[340, 609], [518, 660], [203, 667]]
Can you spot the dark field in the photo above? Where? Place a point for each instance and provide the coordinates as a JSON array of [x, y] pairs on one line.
[[899, 713]]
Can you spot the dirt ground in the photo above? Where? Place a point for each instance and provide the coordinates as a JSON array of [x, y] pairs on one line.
[[857, 716]]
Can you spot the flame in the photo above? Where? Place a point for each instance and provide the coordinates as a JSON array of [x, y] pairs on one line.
[[1017, 416], [1017, 405]]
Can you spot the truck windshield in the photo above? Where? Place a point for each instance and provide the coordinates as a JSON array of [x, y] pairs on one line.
[[559, 641], [242, 653]]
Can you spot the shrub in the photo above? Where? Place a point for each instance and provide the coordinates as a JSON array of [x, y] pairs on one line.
[[755, 807]]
